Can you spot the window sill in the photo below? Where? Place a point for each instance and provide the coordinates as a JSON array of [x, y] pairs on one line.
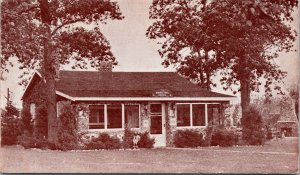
[[190, 127]]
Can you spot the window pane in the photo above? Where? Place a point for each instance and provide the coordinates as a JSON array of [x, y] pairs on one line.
[[156, 124], [132, 116], [96, 118], [183, 115], [198, 115], [114, 116], [155, 108], [213, 114]]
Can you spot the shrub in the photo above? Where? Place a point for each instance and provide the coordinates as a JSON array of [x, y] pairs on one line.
[[27, 140], [146, 141], [25, 123], [104, 141], [223, 137], [67, 132], [9, 126], [187, 138], [41, 122], [209, 131], [252, 130], [127, 138], [269, 135]]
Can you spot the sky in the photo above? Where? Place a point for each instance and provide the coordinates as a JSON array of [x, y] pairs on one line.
[[135, 52]]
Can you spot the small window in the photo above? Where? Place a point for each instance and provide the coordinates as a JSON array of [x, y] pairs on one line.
[[132, 116], [96, 119], [183, 115], [213, 111], [198, 114], [32, 110], [114, 116]]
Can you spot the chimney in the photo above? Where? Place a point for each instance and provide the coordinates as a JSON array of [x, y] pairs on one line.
[[106, 66]]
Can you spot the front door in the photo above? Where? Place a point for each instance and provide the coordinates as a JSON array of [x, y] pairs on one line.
[[158, 126]]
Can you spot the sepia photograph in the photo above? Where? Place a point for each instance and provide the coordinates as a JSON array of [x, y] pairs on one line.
[[149, 86]]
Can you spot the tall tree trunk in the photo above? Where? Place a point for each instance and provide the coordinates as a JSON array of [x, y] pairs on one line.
[[245, 94], [49, 73]]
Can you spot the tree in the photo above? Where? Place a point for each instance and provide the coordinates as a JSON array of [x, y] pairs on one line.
[[242, 37], [294, 93], [46, 34], [9, 125]]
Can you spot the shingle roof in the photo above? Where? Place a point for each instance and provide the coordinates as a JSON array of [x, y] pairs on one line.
[[127, 84]]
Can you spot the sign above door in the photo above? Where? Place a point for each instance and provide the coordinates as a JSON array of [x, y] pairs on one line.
[[162, 93]]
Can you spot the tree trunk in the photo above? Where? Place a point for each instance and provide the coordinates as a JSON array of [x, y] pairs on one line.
[[48, 67], [245, 93]]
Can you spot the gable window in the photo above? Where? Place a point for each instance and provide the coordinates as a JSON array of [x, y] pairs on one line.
[[114, 116], [132, 113], [96, 117], [32, 110]]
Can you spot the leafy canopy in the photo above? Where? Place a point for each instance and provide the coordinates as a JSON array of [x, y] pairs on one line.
[[23, 32], [238, 39]]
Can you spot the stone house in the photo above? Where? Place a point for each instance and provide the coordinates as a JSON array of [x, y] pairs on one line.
[[157, 102]]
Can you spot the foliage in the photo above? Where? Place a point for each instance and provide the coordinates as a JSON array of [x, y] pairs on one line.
[[45, 34], [23, 31], [146, 141], [27, 140], [128, 138], [208, 135], [67, 131], [224, 138], [104, 141], [187, 138], [238, 40], [253, 131], [9, 125], [41, 122], [26, 123]]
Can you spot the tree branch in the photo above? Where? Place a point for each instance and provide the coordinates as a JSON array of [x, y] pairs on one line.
[[66, 23]]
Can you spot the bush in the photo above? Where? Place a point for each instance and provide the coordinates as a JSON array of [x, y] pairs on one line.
[[252, 130], [128, 137], [67, 132], [187, 138], [41, 122], [269, 135], [9, 126], [27, 140], [146, 141], [223, 138], [104, 141]]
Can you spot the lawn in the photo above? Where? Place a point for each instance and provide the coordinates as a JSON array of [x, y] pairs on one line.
[[275, 157]]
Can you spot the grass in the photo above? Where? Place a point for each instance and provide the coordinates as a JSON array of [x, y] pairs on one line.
[[275, 157]]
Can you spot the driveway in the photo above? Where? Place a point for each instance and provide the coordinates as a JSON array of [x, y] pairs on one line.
[[279, 156]]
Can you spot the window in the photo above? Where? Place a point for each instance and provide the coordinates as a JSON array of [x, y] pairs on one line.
[[132, 116], [96, 119], [198, 114], [114, 116], [32, 110], [213, 112], [183, 114]]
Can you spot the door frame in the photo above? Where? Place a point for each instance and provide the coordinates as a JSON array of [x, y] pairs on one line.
[[160, 139]]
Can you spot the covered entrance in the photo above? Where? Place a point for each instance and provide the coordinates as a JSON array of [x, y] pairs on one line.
[[158, 123]]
